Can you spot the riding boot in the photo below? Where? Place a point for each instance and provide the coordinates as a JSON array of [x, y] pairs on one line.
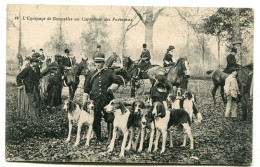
[[137, 73], [110, 132]]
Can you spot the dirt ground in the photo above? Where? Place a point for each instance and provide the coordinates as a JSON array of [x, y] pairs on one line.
[[217, 140]]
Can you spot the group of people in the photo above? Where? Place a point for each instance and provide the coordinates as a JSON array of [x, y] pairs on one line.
[[31, 74], [100, 83]]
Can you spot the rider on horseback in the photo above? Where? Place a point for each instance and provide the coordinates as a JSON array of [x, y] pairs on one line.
[[67, 60], [144, 61], [168, 57], [231, 61]]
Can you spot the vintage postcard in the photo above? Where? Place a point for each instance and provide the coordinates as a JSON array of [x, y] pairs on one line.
[[129, 84]]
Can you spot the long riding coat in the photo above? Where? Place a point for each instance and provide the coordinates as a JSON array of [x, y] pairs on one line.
[[231, 61], [30, 78], [145, 64]]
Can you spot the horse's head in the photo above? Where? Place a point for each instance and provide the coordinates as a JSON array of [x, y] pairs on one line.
[[183, 67], [116, 57], [84, 66], [127, 62]]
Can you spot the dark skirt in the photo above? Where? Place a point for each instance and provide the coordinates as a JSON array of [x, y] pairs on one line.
[[145, 65]]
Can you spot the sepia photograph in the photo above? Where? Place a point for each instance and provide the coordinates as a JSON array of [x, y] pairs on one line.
[[127, 85]]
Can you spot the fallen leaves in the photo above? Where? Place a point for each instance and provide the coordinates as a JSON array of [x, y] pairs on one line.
[[217, 140]]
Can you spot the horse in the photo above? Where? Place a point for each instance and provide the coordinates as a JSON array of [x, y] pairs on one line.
[[218, 77], [114, 58], [176, 75], [71, 76]]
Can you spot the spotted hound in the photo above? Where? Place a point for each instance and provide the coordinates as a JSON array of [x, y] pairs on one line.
[[80, 116], [122, 121], [164, 119], [141, 122]]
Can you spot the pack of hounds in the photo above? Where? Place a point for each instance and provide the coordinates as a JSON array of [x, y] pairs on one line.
[[158, 118]]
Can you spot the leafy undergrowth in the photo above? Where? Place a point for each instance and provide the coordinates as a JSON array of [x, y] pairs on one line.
[[217, 140]]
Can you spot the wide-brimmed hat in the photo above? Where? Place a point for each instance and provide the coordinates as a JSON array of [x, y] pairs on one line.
[[160, 87], [171, 48], [99, 57], [234, 50]]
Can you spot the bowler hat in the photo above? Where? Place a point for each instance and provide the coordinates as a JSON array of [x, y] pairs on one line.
[[34, 59], [66, 51], [171, 48], [234, 50], [98, 46], [144, 45], [99, 57]]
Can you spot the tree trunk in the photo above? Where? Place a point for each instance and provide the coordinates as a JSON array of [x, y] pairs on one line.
[[149, 38], [237, 41], [149, 30], [203, 54], [122, 41], [20, 35], [218, 39]]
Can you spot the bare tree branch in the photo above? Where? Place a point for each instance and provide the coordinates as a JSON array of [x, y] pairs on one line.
[[128, 13], [187, 21], [131, 25], [156, 15], [139, 14]]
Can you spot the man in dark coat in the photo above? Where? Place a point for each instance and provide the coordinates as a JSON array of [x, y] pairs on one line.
[[231, 60], [41, 58], [59, 73], [52, 88], [167, 60], [97, 51], [160, 89], [144, 61], [67, 60], [98, 87], [30, 77]]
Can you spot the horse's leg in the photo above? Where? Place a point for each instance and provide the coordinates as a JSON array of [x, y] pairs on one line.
[[222, 93], [71, 96], [244, 108], [132, 87], [75, 86], [213, 92]]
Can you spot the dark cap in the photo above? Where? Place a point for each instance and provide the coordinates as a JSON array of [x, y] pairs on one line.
[[98, 46], [144, 45], [66, 51], [41, 49], [234, 50], [33, 50], [36, 55], [171, 48], [99, 57]]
